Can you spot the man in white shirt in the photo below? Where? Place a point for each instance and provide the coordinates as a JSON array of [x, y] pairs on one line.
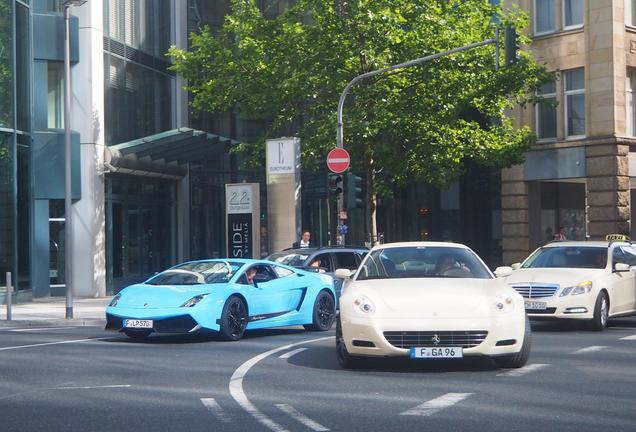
[[304, 241]]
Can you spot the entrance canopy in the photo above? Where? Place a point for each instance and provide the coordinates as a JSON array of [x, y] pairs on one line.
[[165, 154]]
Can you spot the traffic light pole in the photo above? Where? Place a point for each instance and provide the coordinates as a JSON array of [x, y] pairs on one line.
[[345, 92]]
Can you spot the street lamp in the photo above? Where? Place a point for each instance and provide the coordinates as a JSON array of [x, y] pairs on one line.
[[67, 158]]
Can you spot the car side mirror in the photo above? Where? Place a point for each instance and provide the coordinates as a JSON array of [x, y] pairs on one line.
[[502, 272], [621, 267], [342, 273], [515, 266]]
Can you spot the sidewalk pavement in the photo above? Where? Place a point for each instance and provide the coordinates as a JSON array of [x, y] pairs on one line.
[[52, 312]]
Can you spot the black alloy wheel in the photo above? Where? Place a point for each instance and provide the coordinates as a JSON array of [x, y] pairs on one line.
[[324, 313], [233, 319], [601, 313], [346, 360]]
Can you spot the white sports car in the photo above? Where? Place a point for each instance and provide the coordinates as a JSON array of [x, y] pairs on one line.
[[429, 300]]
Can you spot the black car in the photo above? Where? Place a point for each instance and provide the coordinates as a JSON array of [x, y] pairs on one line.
[[326, 259]]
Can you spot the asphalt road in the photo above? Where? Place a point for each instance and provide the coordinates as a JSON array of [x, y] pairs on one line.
[[85, 379]]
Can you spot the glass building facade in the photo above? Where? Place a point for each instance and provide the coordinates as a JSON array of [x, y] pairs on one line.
[[15, 143]]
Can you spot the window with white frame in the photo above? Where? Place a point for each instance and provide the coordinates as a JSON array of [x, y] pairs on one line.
[[630, 9], [546, 114], [55, 98], [543, 16], [630, 84], [572, 13], [574, 81]]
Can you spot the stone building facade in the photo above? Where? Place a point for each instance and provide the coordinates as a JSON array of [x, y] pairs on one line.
[[578, 178]]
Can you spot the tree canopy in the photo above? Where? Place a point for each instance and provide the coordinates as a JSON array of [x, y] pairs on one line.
[[422, 123]]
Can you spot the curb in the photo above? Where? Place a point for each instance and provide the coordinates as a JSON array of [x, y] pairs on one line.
[[75, 322]]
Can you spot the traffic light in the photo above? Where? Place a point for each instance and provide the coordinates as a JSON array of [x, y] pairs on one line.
[[511, 45], [354, 191], [335, 184]]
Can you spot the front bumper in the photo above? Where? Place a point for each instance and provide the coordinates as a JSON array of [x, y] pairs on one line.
[[569, 307], [366, 336], [174, 324]]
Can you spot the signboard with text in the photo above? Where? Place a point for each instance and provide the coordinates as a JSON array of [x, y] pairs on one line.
[[283, 155], [242, 203]]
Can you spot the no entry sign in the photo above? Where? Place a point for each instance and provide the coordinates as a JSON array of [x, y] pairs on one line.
[[338, 160]]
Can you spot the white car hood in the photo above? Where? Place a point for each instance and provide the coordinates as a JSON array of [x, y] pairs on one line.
[[558, 276], [432, 297]]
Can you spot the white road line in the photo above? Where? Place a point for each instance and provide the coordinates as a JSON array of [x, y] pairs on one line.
[[212, 405], [524, 370], [236, 385], [632, 337], [51, 343], [291, 353], [300, 417], [93, 387], [28, 329], [590, 349], [434, 405]]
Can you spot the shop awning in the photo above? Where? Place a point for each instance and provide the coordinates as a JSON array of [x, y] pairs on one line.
[[165, 154]]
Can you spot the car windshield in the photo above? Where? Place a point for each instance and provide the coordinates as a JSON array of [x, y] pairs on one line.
[[294, 259], [568, 256], [422, 262], [197, 273]]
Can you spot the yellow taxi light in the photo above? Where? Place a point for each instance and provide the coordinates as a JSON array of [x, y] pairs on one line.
[[616, 237]]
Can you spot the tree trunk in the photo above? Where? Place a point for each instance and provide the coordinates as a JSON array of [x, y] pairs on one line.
[[371, 198]]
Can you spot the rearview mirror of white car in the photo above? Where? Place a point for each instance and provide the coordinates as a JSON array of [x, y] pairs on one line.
[[342, 273], [503, 271], [515, 266], [621, 267]]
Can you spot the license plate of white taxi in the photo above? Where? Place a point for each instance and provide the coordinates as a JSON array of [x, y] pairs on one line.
[[536, 305], [437, 352], [137, 323]]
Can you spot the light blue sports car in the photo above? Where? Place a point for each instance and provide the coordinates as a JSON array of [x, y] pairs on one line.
[[225, 296]]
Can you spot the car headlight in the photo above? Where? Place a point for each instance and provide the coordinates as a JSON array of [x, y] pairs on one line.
[[581, 288], [504, 304], [114, 301], [194, 300], [364, 305]]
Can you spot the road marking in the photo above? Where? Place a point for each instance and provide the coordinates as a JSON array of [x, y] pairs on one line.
[[590, 349], [300, 417], [93, 387], [434, 405], [51, 343], [632, 337], [236, 385], [524, 370], [212, 405], [39, 329], [291, 353]]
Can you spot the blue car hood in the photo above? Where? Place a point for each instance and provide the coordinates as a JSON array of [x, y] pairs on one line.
[[161, 296]]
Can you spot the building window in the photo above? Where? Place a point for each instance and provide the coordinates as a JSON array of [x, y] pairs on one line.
[[543, 16], [572, 13], [630, 9], [546, 112], [630, 84], [575, 102], [55, 107]]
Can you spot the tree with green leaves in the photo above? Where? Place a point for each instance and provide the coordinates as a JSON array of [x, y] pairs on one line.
[[420, 123]]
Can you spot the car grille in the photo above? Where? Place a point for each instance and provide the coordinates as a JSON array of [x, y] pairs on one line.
[[180, 324], [547, 311], [536, 291], [461, 338]]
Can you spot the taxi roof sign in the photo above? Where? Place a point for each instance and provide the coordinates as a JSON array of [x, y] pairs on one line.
[[617, 237]]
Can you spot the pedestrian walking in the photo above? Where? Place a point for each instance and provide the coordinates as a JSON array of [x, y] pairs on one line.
[[304, 242]]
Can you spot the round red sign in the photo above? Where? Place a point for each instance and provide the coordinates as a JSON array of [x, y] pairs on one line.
[[338, 160]]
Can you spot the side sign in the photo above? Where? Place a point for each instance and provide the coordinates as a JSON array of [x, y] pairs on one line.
[[242, 209]]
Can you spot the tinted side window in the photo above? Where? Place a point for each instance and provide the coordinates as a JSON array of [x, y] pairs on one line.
[[618, 257], [323, 260], [346, 260], [630, 255]]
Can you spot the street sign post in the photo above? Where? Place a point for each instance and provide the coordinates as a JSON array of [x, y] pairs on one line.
[[338, 160]]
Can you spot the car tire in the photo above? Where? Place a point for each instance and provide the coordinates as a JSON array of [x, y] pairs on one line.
[[519, 359], [233, 319], [137, 334], [346, 360], [324, 313], [601, 313]]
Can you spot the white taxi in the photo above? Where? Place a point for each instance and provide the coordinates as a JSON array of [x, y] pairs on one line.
[[584, 280], [427, 301]]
